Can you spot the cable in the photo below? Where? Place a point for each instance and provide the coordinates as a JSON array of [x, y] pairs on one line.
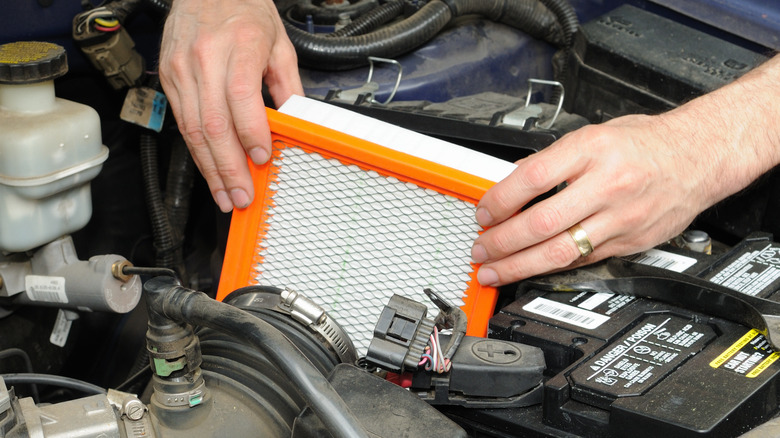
[[9, 352], [151, 272], [132, 380], [169, 300], [52, 380]]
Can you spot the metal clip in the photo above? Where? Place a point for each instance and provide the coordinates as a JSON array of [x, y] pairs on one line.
[[560, 99], [519, 117], [365, 93]]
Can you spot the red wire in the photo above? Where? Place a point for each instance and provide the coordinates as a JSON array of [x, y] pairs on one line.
[[107, 29]]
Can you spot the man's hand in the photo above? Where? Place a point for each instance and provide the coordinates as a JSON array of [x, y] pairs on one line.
[[631, 183], [214, 56]]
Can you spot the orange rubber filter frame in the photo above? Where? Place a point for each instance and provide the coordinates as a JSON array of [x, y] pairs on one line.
[[249, 225]]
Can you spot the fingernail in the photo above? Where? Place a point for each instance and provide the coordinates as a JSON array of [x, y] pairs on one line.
[[478, 253], [483, 217], [487, 277], [240, 198], [258, 155], [223, 201]]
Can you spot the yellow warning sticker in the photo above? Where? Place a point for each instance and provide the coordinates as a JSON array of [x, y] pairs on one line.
[[763, 365], [726, 355], [749, 356]]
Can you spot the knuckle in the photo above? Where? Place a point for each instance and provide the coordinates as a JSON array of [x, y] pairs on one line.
[[242, 88], [536, 175], [500, 246], [177, 64], [560, 253], [192, 133], [216, 127], [629, 180], [544, 221]]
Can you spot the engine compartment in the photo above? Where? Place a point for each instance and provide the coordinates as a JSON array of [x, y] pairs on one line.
[[480, 78]]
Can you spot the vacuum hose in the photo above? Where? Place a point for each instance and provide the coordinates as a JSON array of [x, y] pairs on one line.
[[166, 298], [342, 53]]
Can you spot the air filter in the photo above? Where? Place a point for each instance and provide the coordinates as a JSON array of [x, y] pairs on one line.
[[349, 223]]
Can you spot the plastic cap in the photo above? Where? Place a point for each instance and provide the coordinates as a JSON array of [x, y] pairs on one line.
[[27, 62]]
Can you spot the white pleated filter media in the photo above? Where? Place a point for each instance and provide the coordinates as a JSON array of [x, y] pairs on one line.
[[350, 238]]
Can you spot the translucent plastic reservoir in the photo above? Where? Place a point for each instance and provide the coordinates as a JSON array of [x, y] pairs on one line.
[[50, 149]]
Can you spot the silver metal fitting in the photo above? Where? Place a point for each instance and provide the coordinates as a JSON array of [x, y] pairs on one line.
[[134, 408], [189, 398], [301, 308]]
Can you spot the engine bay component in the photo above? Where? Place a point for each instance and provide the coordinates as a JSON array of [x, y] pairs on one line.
[[51, 149], [341, 53], [374, 400], [622, 365], [454, 369], [486, 373], [246, 366], [299, 308], [54, 276], [632, 61], [400, 335], [102, 38]]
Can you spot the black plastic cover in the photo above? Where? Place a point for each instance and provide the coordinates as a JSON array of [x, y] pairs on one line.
[[633, 61], [383, 408], [485, 373]]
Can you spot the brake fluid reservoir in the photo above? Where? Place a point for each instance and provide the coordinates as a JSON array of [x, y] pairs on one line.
[[50, 148]]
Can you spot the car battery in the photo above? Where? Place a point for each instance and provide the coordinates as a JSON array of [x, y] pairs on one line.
[[619, 365]]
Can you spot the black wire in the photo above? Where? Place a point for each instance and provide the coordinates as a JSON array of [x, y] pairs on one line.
[[151, 272], [52, 380], [9, 352], [132, 380]]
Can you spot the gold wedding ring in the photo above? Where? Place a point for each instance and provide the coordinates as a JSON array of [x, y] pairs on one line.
[[581, 239]]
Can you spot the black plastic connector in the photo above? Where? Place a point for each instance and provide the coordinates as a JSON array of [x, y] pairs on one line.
[[486, 373], [400, 335]]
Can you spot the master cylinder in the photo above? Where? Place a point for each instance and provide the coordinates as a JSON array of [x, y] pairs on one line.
[[50, 149]]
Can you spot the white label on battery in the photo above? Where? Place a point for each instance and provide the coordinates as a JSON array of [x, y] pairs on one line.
[[566, 313], [594, 300], [666, 260], [61, 330], [45, 289], [752, 272]]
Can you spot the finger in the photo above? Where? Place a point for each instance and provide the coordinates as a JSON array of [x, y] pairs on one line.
[[244, 94], [556, 253], [282, 76], [227, 169], [540, 221], [534, 176]]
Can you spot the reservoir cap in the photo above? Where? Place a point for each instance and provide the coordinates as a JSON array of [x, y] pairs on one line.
[[27, 62]]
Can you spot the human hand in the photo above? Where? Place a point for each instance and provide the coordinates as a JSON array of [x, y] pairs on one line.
[[630, 186], [633, 182], [214, 56]]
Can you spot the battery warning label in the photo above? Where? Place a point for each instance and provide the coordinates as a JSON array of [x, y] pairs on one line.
[[749, 356], [641, 357], [753, 272]]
